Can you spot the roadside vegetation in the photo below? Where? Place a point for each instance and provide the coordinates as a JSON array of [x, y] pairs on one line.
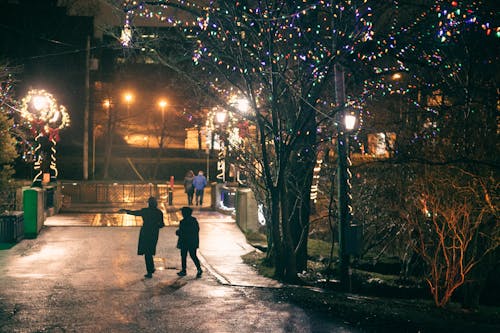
[[381, 300]]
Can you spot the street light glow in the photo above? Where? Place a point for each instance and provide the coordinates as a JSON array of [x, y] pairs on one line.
[[220, 116], [40, 102], [128, 97], [349, 122], [396, 76], [106, 103], [242, 105], [162, 103]]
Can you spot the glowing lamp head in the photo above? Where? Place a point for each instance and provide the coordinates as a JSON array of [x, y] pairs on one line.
[[128, 97], [242, 105], [162, 103], [106, 103], [220, 116], [40, 102], [396, 76], [349, 122]]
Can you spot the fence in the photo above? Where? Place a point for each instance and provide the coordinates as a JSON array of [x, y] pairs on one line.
[[108, 193]]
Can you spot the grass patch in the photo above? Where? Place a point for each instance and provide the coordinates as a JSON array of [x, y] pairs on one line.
[[255, 237], [393, 315], [318, 249], [257, 260]]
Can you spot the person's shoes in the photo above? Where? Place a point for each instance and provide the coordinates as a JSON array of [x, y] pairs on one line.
[[154, 270], [182, 273], [148, 276], [198, 275]]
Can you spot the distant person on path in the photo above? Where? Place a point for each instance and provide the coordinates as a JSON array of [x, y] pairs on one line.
[[188, 186], [189, 240], [152, 219], [199, 183]]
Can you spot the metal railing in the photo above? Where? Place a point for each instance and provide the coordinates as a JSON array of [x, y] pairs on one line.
[[110, 193]]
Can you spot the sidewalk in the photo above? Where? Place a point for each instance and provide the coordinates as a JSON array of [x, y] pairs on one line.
[[221, 241]]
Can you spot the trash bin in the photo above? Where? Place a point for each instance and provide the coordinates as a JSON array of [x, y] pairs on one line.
[[354, 239], [11, 227], [228, 197], [33, 211]]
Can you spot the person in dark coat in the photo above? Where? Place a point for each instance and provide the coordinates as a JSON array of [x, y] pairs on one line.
[[188, 186], [189, 240], [152, 219]]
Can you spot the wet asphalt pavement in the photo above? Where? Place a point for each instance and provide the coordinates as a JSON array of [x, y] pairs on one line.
[[89, 279]]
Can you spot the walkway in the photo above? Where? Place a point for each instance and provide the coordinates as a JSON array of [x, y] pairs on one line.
[[222, 244]]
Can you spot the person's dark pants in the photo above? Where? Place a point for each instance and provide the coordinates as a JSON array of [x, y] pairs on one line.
[[192, 254], [150, 265], [190, 197], [199, 197]]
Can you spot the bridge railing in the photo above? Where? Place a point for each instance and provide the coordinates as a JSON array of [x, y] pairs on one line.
[[110, 193]]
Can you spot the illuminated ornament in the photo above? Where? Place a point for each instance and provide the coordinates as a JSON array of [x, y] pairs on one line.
[[40, 108], [46, 118]]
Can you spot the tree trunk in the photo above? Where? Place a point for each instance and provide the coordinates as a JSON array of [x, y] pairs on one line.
[[301, 178], [290, 274], [277, 246]]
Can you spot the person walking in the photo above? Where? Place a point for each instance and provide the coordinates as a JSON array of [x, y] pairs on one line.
[[199, 183], [152, 219], [188, 186], [189, 240]]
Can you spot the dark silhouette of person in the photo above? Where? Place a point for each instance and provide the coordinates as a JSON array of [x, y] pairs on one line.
[[152, 219], [189, 240], [188, 186]]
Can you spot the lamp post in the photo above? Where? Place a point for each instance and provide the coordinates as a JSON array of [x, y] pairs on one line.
[[93, 149], [162, 104], [347, 123], [128, 97], [46, 117], [220, 117], [397, 78]]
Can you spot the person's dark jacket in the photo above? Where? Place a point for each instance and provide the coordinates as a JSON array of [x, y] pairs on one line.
[[188, 184], [152, 222], [188, 233]]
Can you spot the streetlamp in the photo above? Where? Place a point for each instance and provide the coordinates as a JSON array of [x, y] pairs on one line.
[[46, 118], [106, 104], [347, 123], [128, 97], [397, 78], [220, 117], [162, 104]]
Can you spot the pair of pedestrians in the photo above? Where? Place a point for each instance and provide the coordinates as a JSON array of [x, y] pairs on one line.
[[195, 185], [188, 234]]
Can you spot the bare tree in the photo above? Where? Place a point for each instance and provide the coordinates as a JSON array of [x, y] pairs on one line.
[[453, 224], [280, 57], [7, 142]]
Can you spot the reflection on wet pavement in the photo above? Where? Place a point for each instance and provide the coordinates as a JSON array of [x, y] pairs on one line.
[[125, 220], [171, 216]]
